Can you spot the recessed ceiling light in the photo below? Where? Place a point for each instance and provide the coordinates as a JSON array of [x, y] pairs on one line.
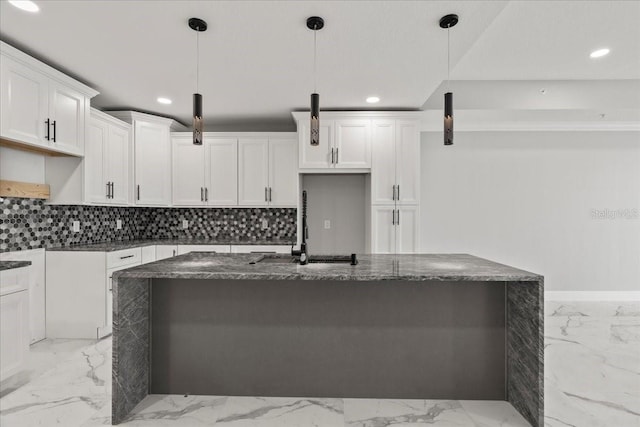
[[599, 53], [166, 101], [27, 5], [373, 99]]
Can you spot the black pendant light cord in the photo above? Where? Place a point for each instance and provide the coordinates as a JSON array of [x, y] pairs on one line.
[[315, 55], [197, 61], [448, 57]]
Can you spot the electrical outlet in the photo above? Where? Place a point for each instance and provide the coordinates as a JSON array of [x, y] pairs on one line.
[[76, 226], [265, 224], [118, 224], [185, 224], [327, 224]]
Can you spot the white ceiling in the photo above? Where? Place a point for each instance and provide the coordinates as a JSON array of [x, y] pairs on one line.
[[256, 58]]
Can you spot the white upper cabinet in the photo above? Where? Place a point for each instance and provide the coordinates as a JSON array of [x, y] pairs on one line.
[[319, 156], [188, 172], [152, 163], [41, 107], [283, 171], [344, 144], [106, 161], [152, 154], [352, 144], [205, 175], [395, 173], [25, 105], [221, 171], [267, 171], [253, 171]]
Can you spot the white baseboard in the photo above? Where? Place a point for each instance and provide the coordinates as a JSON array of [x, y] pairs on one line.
[[592, 296]]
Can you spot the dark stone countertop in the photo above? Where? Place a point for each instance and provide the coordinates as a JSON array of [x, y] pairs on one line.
[[8, 265], [453, 267], [128, 244]]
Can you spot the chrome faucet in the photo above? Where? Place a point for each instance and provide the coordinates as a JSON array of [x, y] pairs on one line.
[[302, 253]]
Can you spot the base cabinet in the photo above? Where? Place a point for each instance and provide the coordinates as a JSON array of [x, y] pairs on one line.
[[395, 229], [35, 288], [83, 276], [166, 251], [14, 332]]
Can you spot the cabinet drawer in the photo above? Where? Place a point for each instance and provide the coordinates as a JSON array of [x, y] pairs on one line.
[[125, 257]]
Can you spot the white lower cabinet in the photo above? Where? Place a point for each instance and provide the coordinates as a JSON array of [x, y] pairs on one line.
[[395, 229], [36, 289], [263, 249], [148, 254], [185, 249], [14, 332], [79, 298], [166, 251]]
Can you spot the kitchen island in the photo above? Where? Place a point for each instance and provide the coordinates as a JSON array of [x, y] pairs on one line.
[[445, 326]]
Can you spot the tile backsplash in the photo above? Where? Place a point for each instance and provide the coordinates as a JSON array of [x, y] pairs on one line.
[[31, 224]]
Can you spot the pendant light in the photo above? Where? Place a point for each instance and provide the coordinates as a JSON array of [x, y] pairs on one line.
[[447, 22], [315, 23], [198, 25]]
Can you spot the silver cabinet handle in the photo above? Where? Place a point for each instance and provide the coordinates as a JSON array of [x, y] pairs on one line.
[[128, 256], [112, 190], [398, 220], [108, 190], [206, 194], [270, 194], [337, 157], [138, 192], [201, 194], [333, 156], [265, 194], [394, 191], [393, 217], [398, 196]]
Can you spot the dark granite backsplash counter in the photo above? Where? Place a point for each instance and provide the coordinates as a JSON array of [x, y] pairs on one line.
[[128, 244], [9, 265]]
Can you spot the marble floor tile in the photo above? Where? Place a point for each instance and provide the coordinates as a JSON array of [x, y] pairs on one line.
[[281, 412], [382, 413], [493, 414]]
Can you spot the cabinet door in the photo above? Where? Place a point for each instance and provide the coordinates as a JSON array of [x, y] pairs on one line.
[[166, 251], [383, 230], [148, 254], [14, 332], [221, 171], [153, 164], [95, 176], [283, 172], [118, 164], [407, 162], [383, 162], [25, 106], [353, 144], [319, 156], [253, 172], [188, 172], [407, 229], [67, 109]]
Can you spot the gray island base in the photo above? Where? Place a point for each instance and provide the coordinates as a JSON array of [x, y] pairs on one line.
[[409, 326]]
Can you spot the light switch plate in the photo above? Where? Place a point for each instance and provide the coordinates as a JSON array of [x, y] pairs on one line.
[[327, 224], [76, 226], [265, 224], [185, 223], [118, 224]]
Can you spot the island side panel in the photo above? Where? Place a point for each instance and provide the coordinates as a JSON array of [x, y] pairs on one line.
[[525, 349], [131, 333]]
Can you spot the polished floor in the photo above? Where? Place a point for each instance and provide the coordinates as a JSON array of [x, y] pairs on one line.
[[592, 378]]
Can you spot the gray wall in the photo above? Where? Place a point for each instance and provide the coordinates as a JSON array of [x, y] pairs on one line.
[[562, 204], [341, 200]]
